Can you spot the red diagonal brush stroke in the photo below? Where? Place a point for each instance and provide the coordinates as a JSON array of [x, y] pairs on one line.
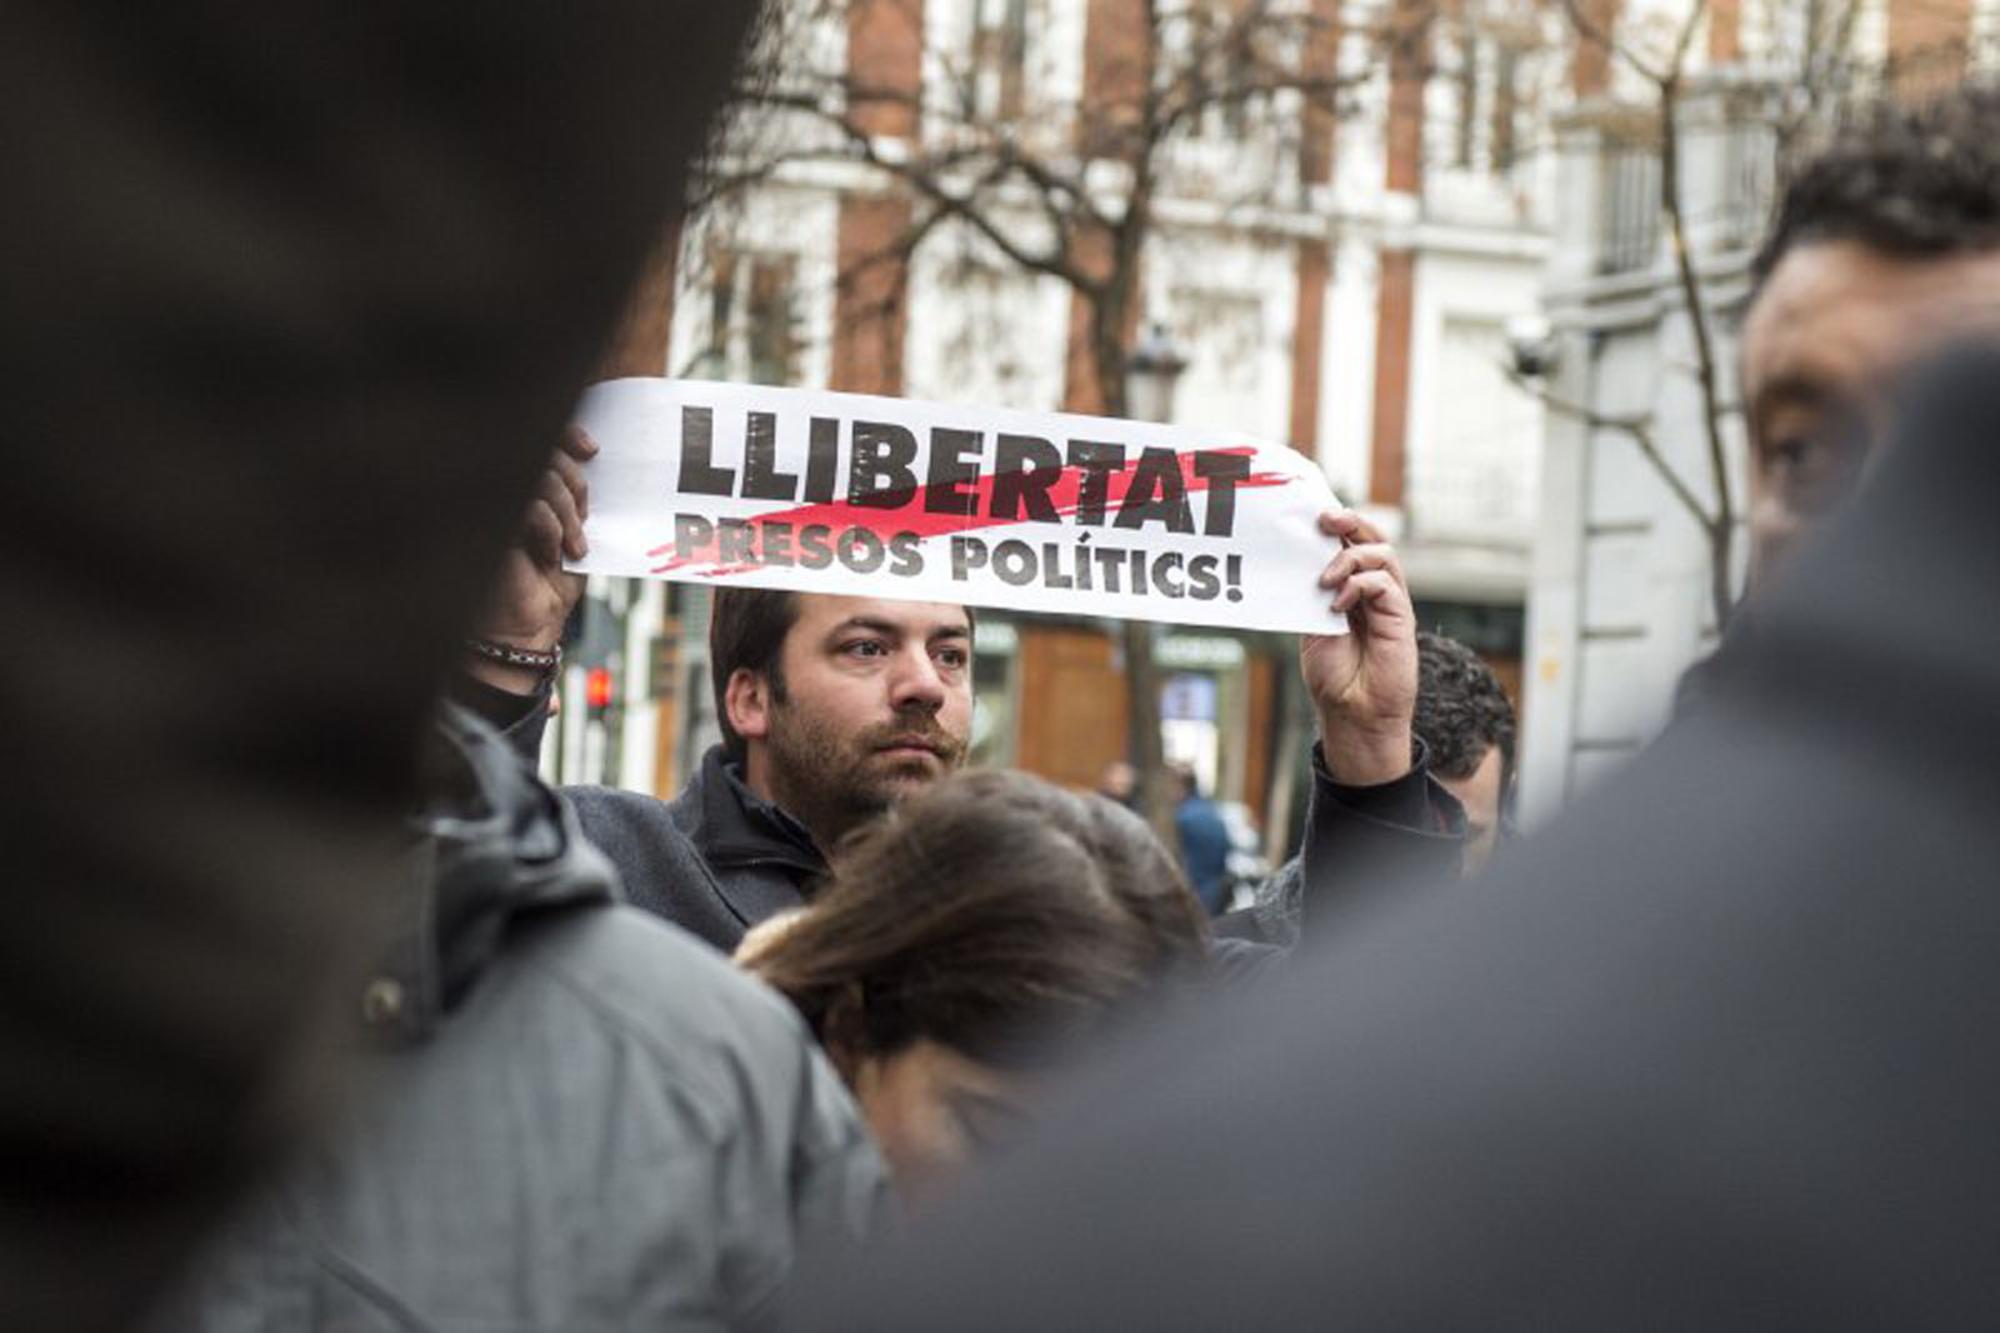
[[1065, 493]]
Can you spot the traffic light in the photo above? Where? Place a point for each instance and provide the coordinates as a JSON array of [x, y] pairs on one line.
[[597, 690]]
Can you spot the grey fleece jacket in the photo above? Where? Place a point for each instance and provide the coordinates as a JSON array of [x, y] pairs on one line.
[[576, 1116]]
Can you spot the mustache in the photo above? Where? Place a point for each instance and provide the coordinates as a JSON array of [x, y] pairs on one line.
[[920, 727]]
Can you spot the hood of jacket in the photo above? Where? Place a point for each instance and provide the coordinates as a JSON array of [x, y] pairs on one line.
[[494, 844]]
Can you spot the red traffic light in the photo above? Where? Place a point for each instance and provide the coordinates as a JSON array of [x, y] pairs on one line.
[[597, 688]]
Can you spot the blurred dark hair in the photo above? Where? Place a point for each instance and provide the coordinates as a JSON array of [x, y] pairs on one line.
[[1462, 711], [995, 914], [1910, 180], [747, 629]]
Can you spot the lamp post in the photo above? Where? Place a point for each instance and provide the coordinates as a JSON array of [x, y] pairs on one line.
[[1152, 372]]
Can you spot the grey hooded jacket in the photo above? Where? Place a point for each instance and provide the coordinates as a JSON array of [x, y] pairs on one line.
[[576, 1116]]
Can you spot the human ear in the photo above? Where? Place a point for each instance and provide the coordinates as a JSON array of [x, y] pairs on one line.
[[747, 698]]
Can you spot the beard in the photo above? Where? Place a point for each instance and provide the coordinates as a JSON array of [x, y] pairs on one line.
[[833, 782]]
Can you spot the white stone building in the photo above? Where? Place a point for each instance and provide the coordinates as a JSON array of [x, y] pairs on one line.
[[1349, 296]]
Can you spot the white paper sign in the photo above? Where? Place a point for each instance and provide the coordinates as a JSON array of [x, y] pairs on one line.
[[885, 497]]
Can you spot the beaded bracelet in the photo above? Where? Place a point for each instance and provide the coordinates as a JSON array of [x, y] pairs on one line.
[[535, 658]]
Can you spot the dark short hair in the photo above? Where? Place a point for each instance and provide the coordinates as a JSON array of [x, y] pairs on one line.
[[1462, 711], [1912, 180], [746, 631], [995, 914]]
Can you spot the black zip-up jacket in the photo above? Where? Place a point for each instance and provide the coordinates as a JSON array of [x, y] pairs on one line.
[[715, 860]]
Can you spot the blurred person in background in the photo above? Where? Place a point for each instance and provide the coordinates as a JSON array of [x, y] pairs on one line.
[[1119, 782], [965, 945], [1465, 723], [293, 299], [1205, 842], [1466, 719]]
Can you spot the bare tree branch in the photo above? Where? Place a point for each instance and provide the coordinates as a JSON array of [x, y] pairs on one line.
[[1637, 429], [928, 177], [1085, 175], [1723, 527], [1588, 29]]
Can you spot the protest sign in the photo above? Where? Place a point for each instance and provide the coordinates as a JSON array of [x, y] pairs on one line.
[[887, 497]]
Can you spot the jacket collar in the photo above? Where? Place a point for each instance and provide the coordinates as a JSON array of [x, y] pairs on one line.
[[734, 826], [494, 846]]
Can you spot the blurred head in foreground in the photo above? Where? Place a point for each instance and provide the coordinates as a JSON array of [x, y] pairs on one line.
[[966, 941], [1886, 246], [1467, 722]]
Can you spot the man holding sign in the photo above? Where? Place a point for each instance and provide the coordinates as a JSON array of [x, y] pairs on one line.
[[835, 703]]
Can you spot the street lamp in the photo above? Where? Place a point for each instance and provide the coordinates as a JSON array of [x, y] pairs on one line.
[[1532, 348], [1150, 376]]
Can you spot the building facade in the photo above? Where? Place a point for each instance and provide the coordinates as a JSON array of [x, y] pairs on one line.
[[1339, 267], [1622, 598]]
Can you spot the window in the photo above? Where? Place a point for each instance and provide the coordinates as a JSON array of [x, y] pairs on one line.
[[1491, 89], [983, 339], [1473, 470], [1628, 209], [1000, 56], [1240, 73], [1749, 164], [1506, 106], [1468, 93], [1223, 50], [1223, 333], [753, 319]]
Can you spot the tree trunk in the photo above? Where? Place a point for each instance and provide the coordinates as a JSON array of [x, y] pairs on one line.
[[1142, 675], [1721, 541], [1142, 728], [1723, 522], [1292, 738]]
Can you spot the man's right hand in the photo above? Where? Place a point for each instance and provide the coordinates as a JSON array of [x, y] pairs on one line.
[[533, 596], [1363, 683]]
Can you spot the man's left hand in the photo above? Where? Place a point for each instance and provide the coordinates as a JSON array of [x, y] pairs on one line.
[[1363, 683]]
